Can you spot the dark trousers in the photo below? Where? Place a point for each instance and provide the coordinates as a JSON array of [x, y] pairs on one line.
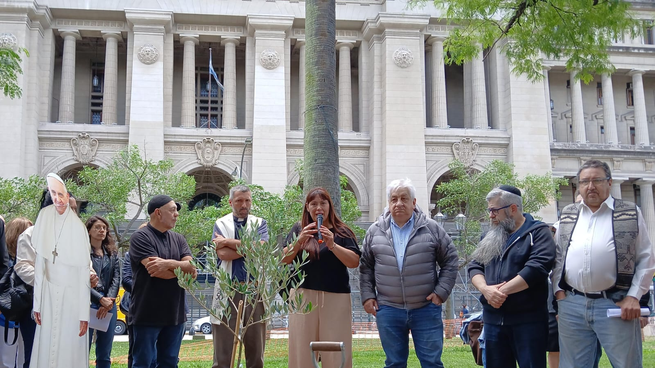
[[130, 341], [104, 342], [162, 342], [27, 330], [254, 340], [523, 343]]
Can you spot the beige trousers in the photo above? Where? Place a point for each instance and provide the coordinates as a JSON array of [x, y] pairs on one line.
[[330, 320]]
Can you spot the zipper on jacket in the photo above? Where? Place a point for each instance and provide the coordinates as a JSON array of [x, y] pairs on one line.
[[500, 262]]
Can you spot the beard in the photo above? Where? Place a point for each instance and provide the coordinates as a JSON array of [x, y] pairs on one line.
[[491, 246]]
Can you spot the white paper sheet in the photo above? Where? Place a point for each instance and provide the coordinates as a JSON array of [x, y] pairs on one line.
[[616, 312], [98, 324]]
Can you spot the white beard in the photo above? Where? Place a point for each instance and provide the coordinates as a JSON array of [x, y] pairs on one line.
[[491, 246]]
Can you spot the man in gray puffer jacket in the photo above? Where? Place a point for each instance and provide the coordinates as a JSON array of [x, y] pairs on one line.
[[399, 281]]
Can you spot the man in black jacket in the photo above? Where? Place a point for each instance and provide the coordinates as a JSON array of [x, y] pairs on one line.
[[510, 268]]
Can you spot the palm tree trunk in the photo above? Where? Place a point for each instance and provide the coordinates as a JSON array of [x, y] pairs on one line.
[[321, 151]]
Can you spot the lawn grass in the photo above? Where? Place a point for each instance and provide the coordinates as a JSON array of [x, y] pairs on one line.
[[367, 353]]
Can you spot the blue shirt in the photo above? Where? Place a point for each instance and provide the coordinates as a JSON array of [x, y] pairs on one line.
[[400, 239]]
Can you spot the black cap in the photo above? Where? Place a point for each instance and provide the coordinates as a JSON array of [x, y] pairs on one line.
[[511, 189], [159, 201]]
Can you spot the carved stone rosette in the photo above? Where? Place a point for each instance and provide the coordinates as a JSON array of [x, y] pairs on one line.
[[269, 59], [84, 148], [8, 40], [208, 151], [403, 57], [148, 54], [466, 151]]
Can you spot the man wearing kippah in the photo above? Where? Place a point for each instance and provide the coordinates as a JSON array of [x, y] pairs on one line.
[[510, 268], [157, 312]]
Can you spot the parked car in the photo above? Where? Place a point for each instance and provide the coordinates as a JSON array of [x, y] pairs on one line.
[[121, 320], [202, 325]]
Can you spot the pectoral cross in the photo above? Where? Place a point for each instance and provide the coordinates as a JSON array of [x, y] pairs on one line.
[[54, 255]]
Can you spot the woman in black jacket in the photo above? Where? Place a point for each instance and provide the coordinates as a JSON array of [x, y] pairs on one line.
[[104, 256]]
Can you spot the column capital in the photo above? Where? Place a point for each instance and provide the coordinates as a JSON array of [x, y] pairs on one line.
[[299, 44], [645, 182], [269, 23], [434, 39], [112, 34], [189, 37], [70, 32], [636, 72], [348, 44], [232, 40], [149, 21], [546, 68]]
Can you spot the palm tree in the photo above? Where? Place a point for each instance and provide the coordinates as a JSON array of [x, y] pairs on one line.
[[321, 153]]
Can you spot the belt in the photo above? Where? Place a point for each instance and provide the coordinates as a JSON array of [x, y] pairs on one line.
[[597, 295]]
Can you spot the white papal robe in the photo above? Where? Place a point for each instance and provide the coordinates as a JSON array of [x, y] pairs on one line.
[[61, 290]]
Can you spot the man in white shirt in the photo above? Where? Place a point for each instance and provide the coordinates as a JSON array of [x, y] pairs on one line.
[[604, 260]]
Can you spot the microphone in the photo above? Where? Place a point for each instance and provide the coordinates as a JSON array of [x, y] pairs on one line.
[[319, 223]]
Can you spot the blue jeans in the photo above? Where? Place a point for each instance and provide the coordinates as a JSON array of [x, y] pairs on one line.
[[525, 343], [162, 342], [104, 342], [426, 326], [583, 323]]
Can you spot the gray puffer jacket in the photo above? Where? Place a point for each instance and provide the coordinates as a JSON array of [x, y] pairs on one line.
[[427, 247]]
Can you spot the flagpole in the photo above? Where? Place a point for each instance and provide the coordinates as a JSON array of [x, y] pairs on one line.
[[209, 94]]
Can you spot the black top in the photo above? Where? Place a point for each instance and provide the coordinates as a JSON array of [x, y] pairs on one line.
[[155, 301], [530, 255], [326, 273], [107, 267]]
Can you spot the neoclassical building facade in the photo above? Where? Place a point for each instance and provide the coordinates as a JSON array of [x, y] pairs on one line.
[[105, 75]]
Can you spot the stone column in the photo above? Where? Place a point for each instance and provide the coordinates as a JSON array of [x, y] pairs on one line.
[[189, 81], [301, 84], [269, 132], [110, 93], [439, 103], [647, 205], [67, 91], [641, 119], [148, 104], [615, 189], [479, 91], [549, 115], [345, 88], [577, 112], [609, 113], [230, 83]]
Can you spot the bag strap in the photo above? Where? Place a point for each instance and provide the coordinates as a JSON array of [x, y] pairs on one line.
[[7, 333]]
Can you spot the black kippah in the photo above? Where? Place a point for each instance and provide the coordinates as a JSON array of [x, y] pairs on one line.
[[511, 189], [159, 201]]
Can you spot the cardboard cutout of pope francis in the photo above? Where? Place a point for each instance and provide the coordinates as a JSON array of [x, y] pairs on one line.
[[61, 283]]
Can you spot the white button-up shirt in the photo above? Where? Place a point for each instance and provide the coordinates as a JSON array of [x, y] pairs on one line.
[[591, 258]]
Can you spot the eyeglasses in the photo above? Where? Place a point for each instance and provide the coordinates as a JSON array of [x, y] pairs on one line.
[[599, 181], [494, 211]]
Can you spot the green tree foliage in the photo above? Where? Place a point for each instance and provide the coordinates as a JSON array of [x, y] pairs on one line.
[[10, 69], [130, 180], [21, 197], [578, 31], [467, 191], [279, 211], [268, 279]]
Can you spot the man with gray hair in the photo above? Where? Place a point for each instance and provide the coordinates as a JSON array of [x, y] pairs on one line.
[[227, 239], [510, 268], [399, 281], [605, 260]]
